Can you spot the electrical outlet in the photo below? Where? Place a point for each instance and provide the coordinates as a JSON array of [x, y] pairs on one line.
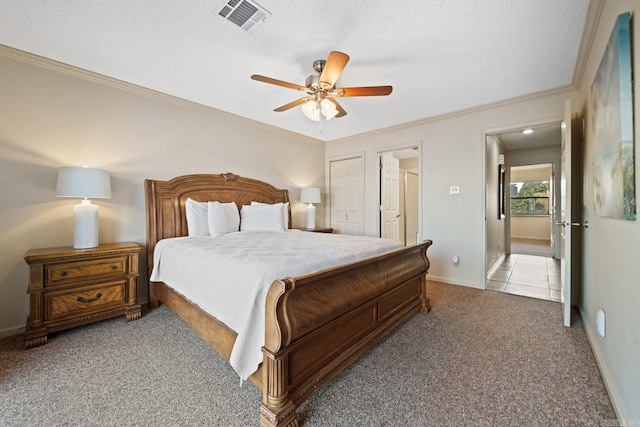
[[454, 189]]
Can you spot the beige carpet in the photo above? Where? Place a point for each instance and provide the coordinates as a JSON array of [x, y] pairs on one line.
[[480, 358]]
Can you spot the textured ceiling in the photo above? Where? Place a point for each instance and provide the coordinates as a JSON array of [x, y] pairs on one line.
[[440, 56]]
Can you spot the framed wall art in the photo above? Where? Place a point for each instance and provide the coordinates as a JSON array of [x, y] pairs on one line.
[[613, 140]]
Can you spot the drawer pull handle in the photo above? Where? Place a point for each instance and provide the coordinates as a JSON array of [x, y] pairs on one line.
[[63, 273], [113, 267], [97, 297]]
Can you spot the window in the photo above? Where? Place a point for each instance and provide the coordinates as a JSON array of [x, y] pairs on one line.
[[529, 198]]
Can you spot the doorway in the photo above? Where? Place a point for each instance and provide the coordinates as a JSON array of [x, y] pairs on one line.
[[399, 195], [531, 193], [521, 258]]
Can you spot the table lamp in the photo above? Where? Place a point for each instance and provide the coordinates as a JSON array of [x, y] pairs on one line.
[[310, 195], [84, 182]]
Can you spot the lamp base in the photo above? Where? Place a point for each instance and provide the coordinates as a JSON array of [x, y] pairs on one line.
[[311, 216], [85, 225]]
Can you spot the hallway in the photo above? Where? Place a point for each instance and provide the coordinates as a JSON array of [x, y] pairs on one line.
[[527, 275]]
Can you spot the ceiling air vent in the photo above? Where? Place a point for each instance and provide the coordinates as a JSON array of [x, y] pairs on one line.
[[245, 14]]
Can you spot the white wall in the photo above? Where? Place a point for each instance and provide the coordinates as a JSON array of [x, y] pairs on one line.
[[452, 153], [612, 247], [52, 115]]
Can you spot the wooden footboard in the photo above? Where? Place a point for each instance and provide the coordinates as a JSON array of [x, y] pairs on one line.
[[316, 325]]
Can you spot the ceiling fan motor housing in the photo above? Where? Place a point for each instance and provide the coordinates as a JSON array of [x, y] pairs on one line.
[[318, 65]]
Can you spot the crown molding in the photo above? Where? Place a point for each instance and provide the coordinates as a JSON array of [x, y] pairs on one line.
[[60, 67], [594, 14]]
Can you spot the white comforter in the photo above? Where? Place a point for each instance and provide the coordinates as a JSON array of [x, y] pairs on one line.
[[229, 276]]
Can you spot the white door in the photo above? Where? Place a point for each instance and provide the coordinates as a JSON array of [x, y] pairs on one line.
[[347, 195], [389, 197], [565, 221]]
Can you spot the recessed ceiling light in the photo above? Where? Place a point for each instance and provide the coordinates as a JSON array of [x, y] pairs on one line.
[[527, 131]]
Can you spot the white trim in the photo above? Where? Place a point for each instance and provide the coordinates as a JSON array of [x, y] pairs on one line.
[[451, 282]]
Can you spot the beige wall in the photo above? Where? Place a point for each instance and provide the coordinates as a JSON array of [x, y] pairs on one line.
[[52, 115], [612, 246], [531, 227]]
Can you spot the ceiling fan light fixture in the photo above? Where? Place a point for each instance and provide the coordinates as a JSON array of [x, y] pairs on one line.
[[311, 110], [328, 109]]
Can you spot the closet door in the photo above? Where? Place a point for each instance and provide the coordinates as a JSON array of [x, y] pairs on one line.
[[347, 195], [389, 197]]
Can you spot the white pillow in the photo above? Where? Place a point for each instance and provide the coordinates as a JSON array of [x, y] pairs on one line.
[[261, 218], [285, 212], [223, 218], [197, 218]]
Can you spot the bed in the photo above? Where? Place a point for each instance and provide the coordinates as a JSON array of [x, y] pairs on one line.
[[315, 324]]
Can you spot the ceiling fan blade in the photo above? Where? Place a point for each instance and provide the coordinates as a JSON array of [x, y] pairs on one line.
[[341, 112], [367, 91], [292, 104], [333, 68], [277, 82]]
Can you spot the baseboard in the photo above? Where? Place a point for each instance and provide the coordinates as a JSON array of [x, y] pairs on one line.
[[496, 264], [540, 239], [453, 282], [9, 332], [592, 336]]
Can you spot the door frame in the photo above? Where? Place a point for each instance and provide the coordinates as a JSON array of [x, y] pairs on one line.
[[507, 222], [390, 149]]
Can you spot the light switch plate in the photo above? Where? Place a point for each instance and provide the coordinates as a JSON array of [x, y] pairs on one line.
[[454, 189]]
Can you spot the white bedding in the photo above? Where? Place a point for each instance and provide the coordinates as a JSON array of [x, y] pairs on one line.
[[229, 276]]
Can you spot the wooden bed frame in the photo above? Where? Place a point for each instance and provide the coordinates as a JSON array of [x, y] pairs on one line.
[[316, 324]]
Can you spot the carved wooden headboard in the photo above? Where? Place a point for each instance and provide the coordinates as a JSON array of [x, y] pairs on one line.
[[165, 201]]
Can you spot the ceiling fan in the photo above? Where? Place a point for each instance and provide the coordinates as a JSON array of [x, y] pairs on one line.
[[321, 90]]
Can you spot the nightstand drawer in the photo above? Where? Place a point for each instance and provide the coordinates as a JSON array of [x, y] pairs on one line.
[[71, 303], [74, 270]]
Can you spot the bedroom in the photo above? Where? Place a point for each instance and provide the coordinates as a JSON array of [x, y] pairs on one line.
[[49, 119]]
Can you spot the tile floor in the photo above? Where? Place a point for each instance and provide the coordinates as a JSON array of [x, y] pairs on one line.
[[527, 275]]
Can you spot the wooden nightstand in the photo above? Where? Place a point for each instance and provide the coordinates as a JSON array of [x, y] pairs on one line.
[[72, 287], [318, 229]]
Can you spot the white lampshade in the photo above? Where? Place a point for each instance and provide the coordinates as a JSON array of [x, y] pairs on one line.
[[311, 110], [310, 195], [328, 109], [84, 182]]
